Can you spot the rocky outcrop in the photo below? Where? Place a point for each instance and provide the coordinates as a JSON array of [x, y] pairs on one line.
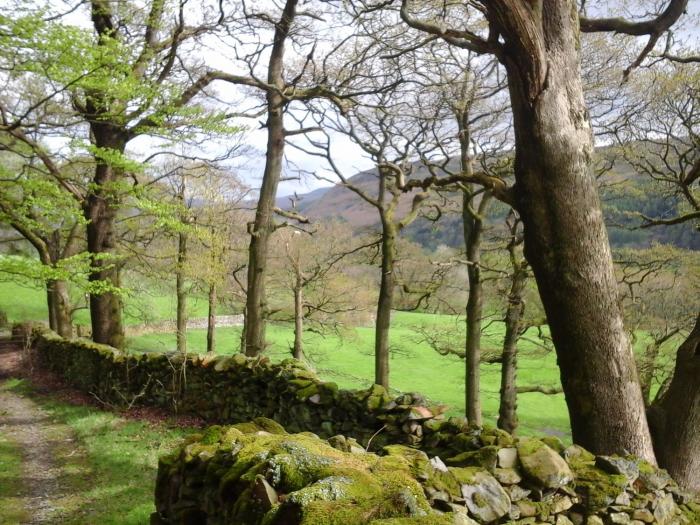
[[255, 473]]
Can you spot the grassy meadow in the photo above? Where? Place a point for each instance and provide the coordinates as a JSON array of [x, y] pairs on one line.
[[347, 358], [24, 301]]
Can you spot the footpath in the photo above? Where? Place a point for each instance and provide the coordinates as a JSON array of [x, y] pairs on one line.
[[30, 466]]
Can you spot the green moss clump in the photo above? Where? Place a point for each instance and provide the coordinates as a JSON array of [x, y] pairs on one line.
[[430, 519], [598, 488], [212, 435], [316, 484], [554, 443], [691, 510], [486, 457], [465, 475]]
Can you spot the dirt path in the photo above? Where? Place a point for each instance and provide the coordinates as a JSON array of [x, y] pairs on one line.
[[27, 428]]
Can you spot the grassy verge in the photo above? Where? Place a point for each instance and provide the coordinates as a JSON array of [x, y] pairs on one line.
[[11, 503], [108, 464]]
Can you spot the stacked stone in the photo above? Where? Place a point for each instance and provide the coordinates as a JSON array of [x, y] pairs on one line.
[[230, 389], [581, 488], [255, 473]]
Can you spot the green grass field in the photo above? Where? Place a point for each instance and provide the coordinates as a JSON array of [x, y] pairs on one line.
[[24, 301], [348, 359]]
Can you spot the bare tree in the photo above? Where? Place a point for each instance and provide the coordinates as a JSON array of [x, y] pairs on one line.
[[288, 40], [389, 130], [312, 269]]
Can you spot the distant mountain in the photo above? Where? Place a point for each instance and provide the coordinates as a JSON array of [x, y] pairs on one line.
[[620, 201]]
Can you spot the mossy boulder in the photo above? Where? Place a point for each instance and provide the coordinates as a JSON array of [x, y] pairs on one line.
[[542, 465], [485, 497], [598, 488], [250, 475]]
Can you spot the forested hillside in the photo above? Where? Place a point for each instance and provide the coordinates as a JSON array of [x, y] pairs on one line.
[[625, 195]]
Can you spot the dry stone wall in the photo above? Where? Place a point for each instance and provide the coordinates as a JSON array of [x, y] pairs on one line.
[[465, 475], [232, 389], [257, 474], [196, 323]]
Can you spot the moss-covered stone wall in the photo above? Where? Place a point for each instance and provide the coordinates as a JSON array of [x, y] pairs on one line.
[[433, 469], [256, 474], [232, 389]]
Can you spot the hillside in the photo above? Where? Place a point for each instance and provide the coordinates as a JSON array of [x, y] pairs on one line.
[[630, 194]]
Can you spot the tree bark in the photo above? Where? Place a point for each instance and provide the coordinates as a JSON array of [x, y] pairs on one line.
[[61, 308], [675, 418], [262, 227], [211, 320], [100, 210], [385, 303], [51, 305], [508, 406], [298, 351], [566, 241], [473, 228], [181, 294]]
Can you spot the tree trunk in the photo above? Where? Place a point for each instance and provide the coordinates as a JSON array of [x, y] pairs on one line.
[[473, 228], [262, 227], [385, 303], [61, 308], [507, 410], [51, 305], [100, 210], [566, 241], [181, 294], [646, 370], [298, 352], [211, 320], [675, 418]]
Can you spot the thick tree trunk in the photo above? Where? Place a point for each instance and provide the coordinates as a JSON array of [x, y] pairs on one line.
[[211, 320], [298, 351], [385, 303], [100, 211], [473, 228], [566, 241], [181, 294], [507, 410], [675, 418], [262, 227]]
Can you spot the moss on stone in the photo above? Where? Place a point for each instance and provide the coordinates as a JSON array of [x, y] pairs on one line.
[[212, 435], [313, 479], [485, 457], [554, 443], [691, 511], [436, 518], [598, 488]]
